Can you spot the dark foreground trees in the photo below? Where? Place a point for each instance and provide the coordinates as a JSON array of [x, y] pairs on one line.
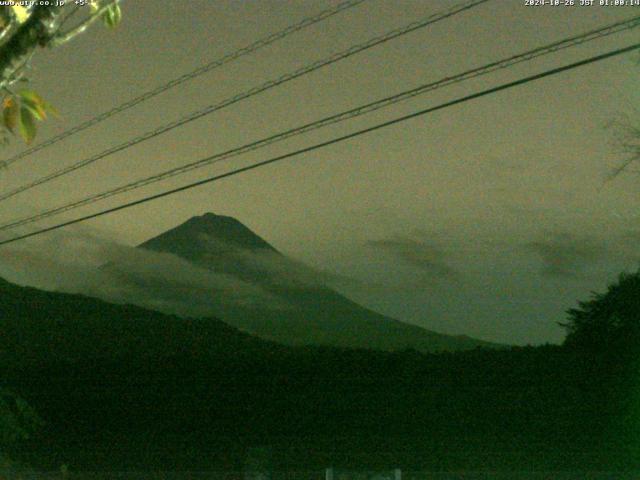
[[609, 321], [123, 388]]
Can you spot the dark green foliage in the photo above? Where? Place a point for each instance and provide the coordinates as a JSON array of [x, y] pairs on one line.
[[124, 388], [605, 331], [112, 16], [609, 321], [18, 421], [22, 33]]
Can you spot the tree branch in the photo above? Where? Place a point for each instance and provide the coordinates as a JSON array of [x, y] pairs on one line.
[[10, 27], [36, 31], [62, 38]]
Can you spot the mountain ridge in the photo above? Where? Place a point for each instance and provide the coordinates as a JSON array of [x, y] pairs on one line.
[[318, 315]]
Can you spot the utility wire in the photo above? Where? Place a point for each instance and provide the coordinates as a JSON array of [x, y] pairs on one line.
[[228, 58], [339, 117], [318, 146], [249, 93]]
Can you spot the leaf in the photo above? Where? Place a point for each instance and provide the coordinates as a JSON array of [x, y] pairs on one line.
[[37, 104], [21, 12], [30, 96], [11, 112], [112, 16], [34, 103], [50, 109], [38, 114], [27, 125]]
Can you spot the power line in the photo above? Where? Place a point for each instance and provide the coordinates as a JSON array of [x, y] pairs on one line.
[[228, 58], [249, 93], [339, 117], [318, 146]]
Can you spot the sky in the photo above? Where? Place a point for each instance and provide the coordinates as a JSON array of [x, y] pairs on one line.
[[490, 218]]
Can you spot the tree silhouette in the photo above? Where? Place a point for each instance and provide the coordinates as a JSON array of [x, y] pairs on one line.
[[609, 320]]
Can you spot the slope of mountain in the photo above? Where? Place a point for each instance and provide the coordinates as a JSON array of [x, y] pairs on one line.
[[38, 327], [306, 312]]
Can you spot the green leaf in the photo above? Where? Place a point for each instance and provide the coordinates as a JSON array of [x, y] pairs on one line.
[[38, 114], [27, 126], [112, 16], [50, 109], [21, 13], [38, 106], [30, 96], [11, 112]]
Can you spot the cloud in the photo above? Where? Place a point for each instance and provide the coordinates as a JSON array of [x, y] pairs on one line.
[[269, 265], [566, 255], [80, 262], [427, 257], [629, 247]]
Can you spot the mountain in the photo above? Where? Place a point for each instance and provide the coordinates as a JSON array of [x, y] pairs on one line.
[[207, 236], [304, 310]]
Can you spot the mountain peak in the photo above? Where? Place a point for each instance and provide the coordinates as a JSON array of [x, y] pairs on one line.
[[212, 221], [313, 314], [204, 220], [207, 233], [210, 216]]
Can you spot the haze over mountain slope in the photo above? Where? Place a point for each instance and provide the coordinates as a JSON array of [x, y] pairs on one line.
[[303, 310], [38, 327]]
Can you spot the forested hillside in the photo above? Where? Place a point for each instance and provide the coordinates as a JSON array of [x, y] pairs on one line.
[[127, 388]]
